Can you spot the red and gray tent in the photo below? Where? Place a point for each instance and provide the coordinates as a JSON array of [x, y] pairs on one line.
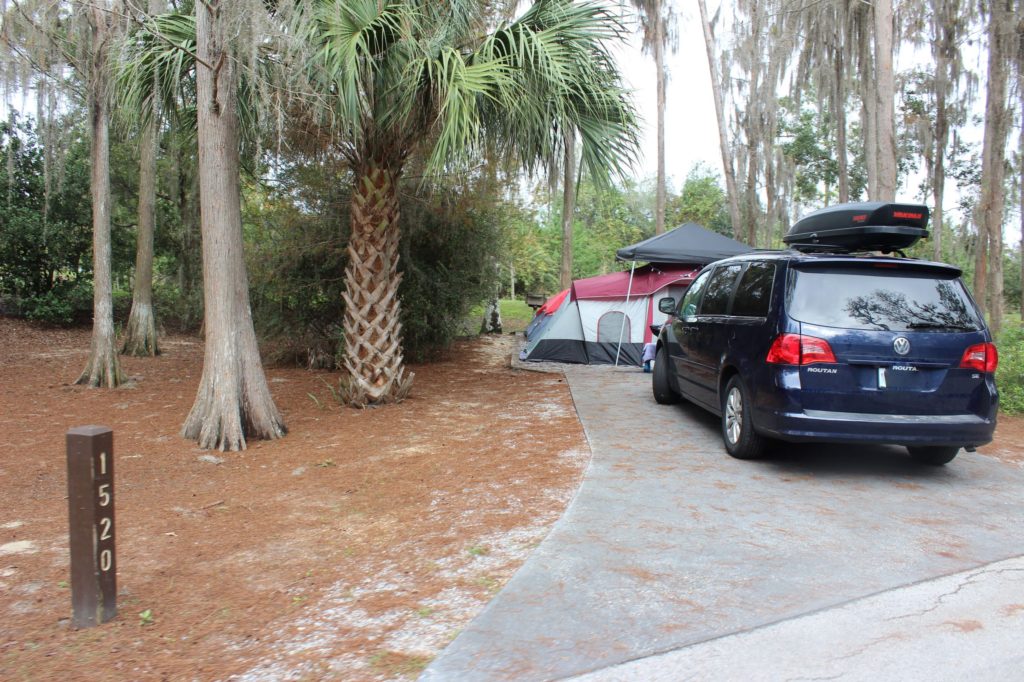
[[606, 319], [596, 316]]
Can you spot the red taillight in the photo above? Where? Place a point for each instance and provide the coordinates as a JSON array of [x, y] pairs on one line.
[[981, 356], [797, 349]]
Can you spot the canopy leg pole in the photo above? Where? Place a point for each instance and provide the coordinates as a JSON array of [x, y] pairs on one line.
[[625, 314]]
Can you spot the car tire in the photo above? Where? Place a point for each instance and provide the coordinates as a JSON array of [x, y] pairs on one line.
[[661, 383], [935, 455], [741, 441]]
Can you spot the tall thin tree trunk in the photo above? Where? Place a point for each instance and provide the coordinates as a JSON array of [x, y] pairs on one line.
[[993, 162], [102, 368], [885, 89], [373, 357], [941, 142], [839, 111], [233, 401], [140, 334], [723, 132], [869, 108], [1020, 180], [568, 208], [659, 63]]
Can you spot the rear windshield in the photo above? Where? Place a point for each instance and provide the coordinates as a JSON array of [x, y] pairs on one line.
[[861, 298]]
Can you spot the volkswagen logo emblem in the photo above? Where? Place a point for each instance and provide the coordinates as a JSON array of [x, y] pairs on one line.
[[901, 345]]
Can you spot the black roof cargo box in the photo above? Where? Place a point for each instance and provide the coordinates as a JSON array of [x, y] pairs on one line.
[[869, 226]]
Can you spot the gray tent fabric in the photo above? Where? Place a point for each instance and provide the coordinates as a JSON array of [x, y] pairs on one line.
[[688, 243]]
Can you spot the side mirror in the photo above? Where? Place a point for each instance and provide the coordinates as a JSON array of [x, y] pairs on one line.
[[667, 305]]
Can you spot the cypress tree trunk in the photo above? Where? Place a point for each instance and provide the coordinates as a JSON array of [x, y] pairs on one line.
[[233, 401], [989, 256], [723, 133], [373, 333], [103, 368], [659, 62], [885, 89], [140, 334]]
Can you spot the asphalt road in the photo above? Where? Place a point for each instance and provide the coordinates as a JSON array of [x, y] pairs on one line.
[[676, 561]]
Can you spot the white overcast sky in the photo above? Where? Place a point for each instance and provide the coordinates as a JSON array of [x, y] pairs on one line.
[[691, 132]]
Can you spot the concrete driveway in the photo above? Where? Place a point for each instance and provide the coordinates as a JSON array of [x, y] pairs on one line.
[[671, 545]]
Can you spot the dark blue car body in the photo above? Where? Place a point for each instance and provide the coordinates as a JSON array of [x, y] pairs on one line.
[[834, 348]]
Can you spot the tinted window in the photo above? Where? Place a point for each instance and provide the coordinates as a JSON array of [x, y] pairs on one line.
[[754, 291], [875, 299], [688, 306], [716, 298]]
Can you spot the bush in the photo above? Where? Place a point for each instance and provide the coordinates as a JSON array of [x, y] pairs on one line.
[[296, 259], [50, 308], [1010, 375]]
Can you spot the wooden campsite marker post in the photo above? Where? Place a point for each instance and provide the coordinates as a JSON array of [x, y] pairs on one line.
[[91, 519]]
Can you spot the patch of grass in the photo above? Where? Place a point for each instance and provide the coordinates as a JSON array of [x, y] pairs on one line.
[[479, 550], [425, 611], [488, 583], [146, 618], [515, 314], [395, 664], [1010, 375]]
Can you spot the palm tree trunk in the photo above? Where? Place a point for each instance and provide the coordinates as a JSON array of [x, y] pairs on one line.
[[373, 333], [233, 401], [140, 334], [103, 368]]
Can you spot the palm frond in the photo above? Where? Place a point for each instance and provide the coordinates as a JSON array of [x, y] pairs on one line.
[[155, 69]]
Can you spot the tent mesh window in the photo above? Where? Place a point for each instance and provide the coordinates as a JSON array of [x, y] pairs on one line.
[[610, 327]]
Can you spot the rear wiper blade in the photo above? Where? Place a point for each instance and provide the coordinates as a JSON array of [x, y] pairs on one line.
[[940, 325]]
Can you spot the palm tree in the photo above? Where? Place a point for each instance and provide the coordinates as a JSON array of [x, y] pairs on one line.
[[419, 77]]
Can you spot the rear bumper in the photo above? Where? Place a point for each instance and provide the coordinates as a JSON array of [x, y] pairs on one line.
[[856, 427]]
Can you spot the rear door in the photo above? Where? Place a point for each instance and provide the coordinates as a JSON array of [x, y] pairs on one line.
[[898, 333]]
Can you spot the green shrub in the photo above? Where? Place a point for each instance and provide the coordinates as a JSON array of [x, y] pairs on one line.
[[1010, 375], [296, 249], [51, 308]]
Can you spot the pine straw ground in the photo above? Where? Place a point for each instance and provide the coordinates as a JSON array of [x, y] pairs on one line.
[[355, 548]]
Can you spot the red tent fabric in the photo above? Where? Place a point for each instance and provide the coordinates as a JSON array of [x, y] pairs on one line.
[[646, 281], [553, 303]]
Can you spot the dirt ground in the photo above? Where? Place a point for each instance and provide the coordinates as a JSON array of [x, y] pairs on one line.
[[355, 548]]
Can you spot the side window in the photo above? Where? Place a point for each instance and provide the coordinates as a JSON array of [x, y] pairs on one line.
[[688, 306], [716, 298], [612, 327], [754, 291]]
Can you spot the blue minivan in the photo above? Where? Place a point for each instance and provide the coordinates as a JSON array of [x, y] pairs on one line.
[[824, 343]]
